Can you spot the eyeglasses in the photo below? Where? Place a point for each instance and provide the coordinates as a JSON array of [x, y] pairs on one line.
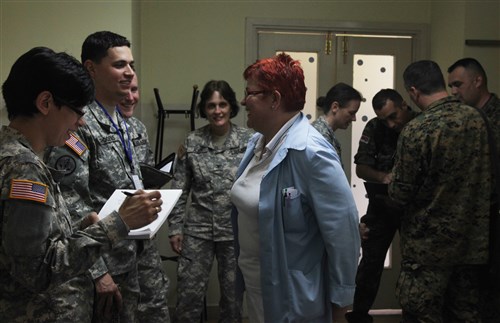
[[80, 112], [253, 93]]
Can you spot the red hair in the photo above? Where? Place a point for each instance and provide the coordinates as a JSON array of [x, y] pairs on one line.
[[283, 74]]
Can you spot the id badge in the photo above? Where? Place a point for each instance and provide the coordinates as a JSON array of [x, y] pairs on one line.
[[137, 182]]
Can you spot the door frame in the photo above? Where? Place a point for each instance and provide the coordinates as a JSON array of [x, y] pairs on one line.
[[419, 32]]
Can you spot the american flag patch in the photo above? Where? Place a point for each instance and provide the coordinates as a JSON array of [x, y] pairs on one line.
[[76, 145], [28, 190]]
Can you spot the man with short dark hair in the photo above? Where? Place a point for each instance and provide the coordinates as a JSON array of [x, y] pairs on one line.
[[442, 178], [374, 161], [107, 161], [469, 83]]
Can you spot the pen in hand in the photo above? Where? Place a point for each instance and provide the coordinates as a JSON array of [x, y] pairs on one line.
[[128, 193]]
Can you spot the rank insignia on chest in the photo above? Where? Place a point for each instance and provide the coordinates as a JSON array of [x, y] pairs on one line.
[[76, 145], [22, 189]]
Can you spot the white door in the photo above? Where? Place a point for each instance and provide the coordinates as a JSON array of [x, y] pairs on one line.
[[368, 64]]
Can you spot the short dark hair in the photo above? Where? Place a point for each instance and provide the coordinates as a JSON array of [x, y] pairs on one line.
[[341, 93], [425, 76], [41, 69], [95, 47], [225, 90], [380, 99], [470, 64]]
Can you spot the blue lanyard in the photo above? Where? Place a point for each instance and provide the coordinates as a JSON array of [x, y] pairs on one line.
[[127, 148]]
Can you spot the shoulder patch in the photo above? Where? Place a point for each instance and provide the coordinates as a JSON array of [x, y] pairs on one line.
[[76, 145], [364, 139], [22, 189]]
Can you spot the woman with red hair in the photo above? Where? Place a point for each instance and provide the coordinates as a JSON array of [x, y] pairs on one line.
[[295, 221]]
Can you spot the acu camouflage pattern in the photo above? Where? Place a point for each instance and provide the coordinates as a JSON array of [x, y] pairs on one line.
[[207, 173], [95, 175], [442, 175], [140, 139], [36, 260], [193, 273], [153, 283], [323, 128]]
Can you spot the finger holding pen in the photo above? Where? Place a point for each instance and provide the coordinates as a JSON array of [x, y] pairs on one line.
[[140, 208]]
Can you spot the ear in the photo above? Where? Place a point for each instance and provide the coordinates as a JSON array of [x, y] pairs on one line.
[[479, 81], [334, 107], [276, 98], [90, 66], [43, 102]]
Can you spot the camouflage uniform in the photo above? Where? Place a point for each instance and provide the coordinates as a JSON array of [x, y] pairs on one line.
[[442, 175], [492, 295], [377, 147], [323, 128], [207, 172], [39, 249], [90, 177], [153, 282]]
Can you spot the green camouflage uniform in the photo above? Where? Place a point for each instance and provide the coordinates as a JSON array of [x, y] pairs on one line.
[[89, 180], [492, 296], [323, 128], [207, 174], [153, 282], [39, 250], [442, 176]]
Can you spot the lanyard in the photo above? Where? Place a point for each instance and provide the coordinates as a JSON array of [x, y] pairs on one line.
[[127, 146]]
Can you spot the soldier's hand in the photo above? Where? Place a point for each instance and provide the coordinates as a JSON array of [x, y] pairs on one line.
[[363, 231], [108, 297], [176, 243], [90, 219], [140, 209]]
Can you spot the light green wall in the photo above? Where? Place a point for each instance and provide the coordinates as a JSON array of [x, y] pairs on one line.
[[180, 43]]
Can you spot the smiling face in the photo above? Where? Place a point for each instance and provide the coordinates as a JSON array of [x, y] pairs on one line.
[[60, 121], [112, 75], [258, 105], [343, 116], [129, 103], [218, 112]]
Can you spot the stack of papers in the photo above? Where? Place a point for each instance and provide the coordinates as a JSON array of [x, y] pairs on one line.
[[169, 198]]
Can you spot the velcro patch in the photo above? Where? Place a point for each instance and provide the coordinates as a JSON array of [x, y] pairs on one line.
[[364, 139], [22, 189], [76, 145]]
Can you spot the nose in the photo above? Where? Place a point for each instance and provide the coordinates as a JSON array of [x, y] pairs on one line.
[[129, 71], [243, 101], [453, 90]]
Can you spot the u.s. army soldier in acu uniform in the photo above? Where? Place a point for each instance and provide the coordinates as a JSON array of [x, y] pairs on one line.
[[108, 162], [442, 177], [374, 161], [153, 282], [206, 167], [39, 249]]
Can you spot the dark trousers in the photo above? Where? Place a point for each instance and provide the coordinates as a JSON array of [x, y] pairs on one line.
[[382, 220]]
